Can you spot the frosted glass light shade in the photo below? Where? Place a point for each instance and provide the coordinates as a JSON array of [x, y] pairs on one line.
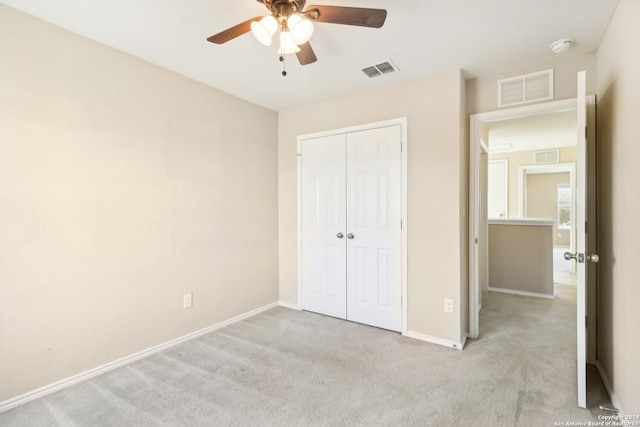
[[264, 29], [287, 45], [301, 28]]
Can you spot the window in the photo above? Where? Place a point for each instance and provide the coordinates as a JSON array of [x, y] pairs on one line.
[[564, 206]]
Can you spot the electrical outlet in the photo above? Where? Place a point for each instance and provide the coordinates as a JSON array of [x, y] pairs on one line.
[[448, 305], [187, 301]]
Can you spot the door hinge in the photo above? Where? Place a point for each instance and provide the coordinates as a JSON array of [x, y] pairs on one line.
[[585, 132], [401, 147], [401, 225], [586, 322], [586, 229]]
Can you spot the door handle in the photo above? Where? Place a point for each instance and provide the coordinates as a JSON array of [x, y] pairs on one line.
[[339, 235], [580, 257], [350, 236], [577, 256], [593, 258]]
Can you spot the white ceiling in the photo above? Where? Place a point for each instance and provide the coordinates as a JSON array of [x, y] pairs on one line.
[[535, 132], [423, 38]]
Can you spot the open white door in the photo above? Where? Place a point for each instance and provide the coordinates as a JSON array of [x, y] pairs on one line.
[[582, 256]]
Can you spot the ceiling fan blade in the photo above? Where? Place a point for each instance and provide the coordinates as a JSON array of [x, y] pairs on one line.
[[233, 32], [357, 16], [306, 54]]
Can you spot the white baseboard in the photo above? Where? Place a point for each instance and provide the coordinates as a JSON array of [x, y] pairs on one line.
[[83, 376], [289, 305], [524, 293], [607, 385], [435, 340]]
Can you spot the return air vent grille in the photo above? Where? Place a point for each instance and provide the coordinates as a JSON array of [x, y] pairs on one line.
[[544, 157], [526, 88], [380, 69]]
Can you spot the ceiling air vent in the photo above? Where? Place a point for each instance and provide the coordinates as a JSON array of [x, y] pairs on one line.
[[380, 69], [526, 88]]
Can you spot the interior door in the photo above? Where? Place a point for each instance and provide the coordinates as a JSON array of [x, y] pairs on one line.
[[374, 232], [583, 256], [497, 188], [323, 226]]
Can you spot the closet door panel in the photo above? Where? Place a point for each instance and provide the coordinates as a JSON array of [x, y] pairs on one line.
[[323, 221], [373, 206]]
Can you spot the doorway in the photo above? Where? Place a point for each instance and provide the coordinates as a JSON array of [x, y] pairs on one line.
[[548, 191], [585, 187], [480, 154], [508, 149]]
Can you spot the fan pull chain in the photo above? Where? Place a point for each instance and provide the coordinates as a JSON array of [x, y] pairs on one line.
[[282, 56], [284, 68]]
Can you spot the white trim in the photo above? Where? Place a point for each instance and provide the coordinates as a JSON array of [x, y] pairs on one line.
[[405, 227], [483, 146], [299, 218], [402, 121], [83, 376], [523, 293], [607, 384], [521, 221], [289, 305], [549, 168], [436, 340], [355, 128]]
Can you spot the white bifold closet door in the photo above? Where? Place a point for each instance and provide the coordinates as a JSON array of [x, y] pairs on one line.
[[351, 229]]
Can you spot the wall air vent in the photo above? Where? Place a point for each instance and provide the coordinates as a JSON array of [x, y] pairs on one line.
[[526, 88], [380, 69], [544, 157]]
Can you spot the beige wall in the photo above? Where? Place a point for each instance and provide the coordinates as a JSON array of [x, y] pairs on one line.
[[123, 186], [518, 159], [618, 87], [521, 258], [482, 92], [437, 176], [542, 201]]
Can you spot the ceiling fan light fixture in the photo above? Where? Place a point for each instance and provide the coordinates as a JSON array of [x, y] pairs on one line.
[[287, 45], [301, 28], [264, 29]]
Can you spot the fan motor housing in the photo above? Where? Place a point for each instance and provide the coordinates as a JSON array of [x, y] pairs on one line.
[[283, 8]]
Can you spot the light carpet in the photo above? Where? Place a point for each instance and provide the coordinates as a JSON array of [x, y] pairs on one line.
[[289, 368]]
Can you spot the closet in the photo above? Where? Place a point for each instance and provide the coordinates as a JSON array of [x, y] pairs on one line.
[[351, 235]]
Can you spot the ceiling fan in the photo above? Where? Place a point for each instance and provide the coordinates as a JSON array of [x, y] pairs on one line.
[[296, 25]]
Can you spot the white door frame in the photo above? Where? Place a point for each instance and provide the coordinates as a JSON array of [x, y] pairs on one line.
[[550, 168], [475, 194], [402, 121]]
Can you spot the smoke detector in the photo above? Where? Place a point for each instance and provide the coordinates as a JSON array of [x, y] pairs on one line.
[[560, 46]]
